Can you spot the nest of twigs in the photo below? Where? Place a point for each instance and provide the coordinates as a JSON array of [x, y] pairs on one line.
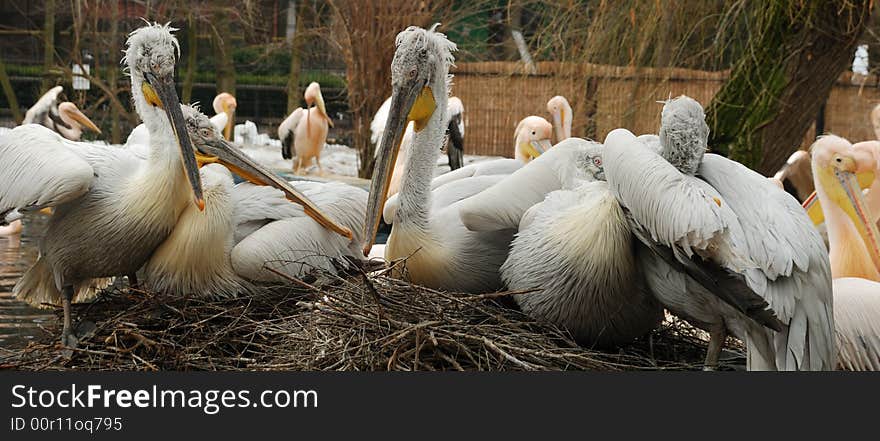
[[354, 322]]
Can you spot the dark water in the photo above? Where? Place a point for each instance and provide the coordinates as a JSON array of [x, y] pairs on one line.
[[20, 323]]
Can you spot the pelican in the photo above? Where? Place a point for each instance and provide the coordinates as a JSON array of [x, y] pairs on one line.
[[722, 246], [838, 166], [574, 245], [62, 117], [560, 111], [532, 138], [224, 113], [441, 253], [246, 229], [112, 209], [455, 130], [306, 131]]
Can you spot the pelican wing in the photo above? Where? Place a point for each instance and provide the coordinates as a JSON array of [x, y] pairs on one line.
[[793, 272], [856, 313], [502, 206], [377, 126], [40, 111], [294, 243], [444, 194], [675, 209], [42, 169], [286, 130]]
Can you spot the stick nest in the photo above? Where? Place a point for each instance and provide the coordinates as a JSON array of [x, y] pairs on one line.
[[354, 322]]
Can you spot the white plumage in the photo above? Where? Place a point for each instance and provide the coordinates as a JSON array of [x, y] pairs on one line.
[[736, 219]]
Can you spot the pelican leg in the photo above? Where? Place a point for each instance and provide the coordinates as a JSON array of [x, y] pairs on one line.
[[68, 338], [717, 337], [320, 169]]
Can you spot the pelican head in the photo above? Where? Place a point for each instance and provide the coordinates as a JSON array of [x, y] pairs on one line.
[[590, 161], [419, 75], [684, 134], [532, 137], [72, 115], [314, 97], [211, 148], [226, 103], [840, 169], [150, 58], [560, 111]]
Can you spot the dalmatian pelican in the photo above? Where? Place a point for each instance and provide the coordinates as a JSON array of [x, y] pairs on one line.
[[532, 138], [722, 246], [840, 170], [305, 131], [112, 208], [588, 281], [224, 113], [560, 111], [248, 228], [440, 252], [62, 117]]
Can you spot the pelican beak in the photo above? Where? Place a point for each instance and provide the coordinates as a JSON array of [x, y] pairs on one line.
[[536, 148], [218, 150], [853, 204], [409, 102], [159, 92], [559, 123], [319, 101], [81, 118], [814, 208]]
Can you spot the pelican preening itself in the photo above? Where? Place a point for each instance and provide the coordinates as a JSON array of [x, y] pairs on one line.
[[723, 246], [224, 113], [62, 117], [246, 228], [838, 168], [112, 209], [304, 132], [532, 138], [560, 111]]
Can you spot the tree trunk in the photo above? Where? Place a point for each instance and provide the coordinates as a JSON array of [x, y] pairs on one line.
[[10, 94], [295, 15], [48, 43], [192, 42], [795, 52], [224, 65], [113, 69]]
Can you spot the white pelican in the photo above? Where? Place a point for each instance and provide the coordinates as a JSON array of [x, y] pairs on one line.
[[62, 117], [305, 130], [723, 247], [838, 166], [112, 209], [440, 251], [246, 229], [224, 113], [532, 138], [560, 111], [455, 130]]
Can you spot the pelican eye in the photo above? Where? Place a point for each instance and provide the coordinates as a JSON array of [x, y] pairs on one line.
[[597, 161]]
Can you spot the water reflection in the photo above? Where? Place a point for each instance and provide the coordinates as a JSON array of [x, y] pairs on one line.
[[19, 322]]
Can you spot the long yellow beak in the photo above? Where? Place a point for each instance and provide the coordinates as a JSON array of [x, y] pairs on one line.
[[81, 118], [536, 148], [319, 101], [230, 121], [411, 102], [814, 207]]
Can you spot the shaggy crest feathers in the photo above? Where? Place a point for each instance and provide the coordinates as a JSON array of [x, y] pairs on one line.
[[151, 32], [684, 133]]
